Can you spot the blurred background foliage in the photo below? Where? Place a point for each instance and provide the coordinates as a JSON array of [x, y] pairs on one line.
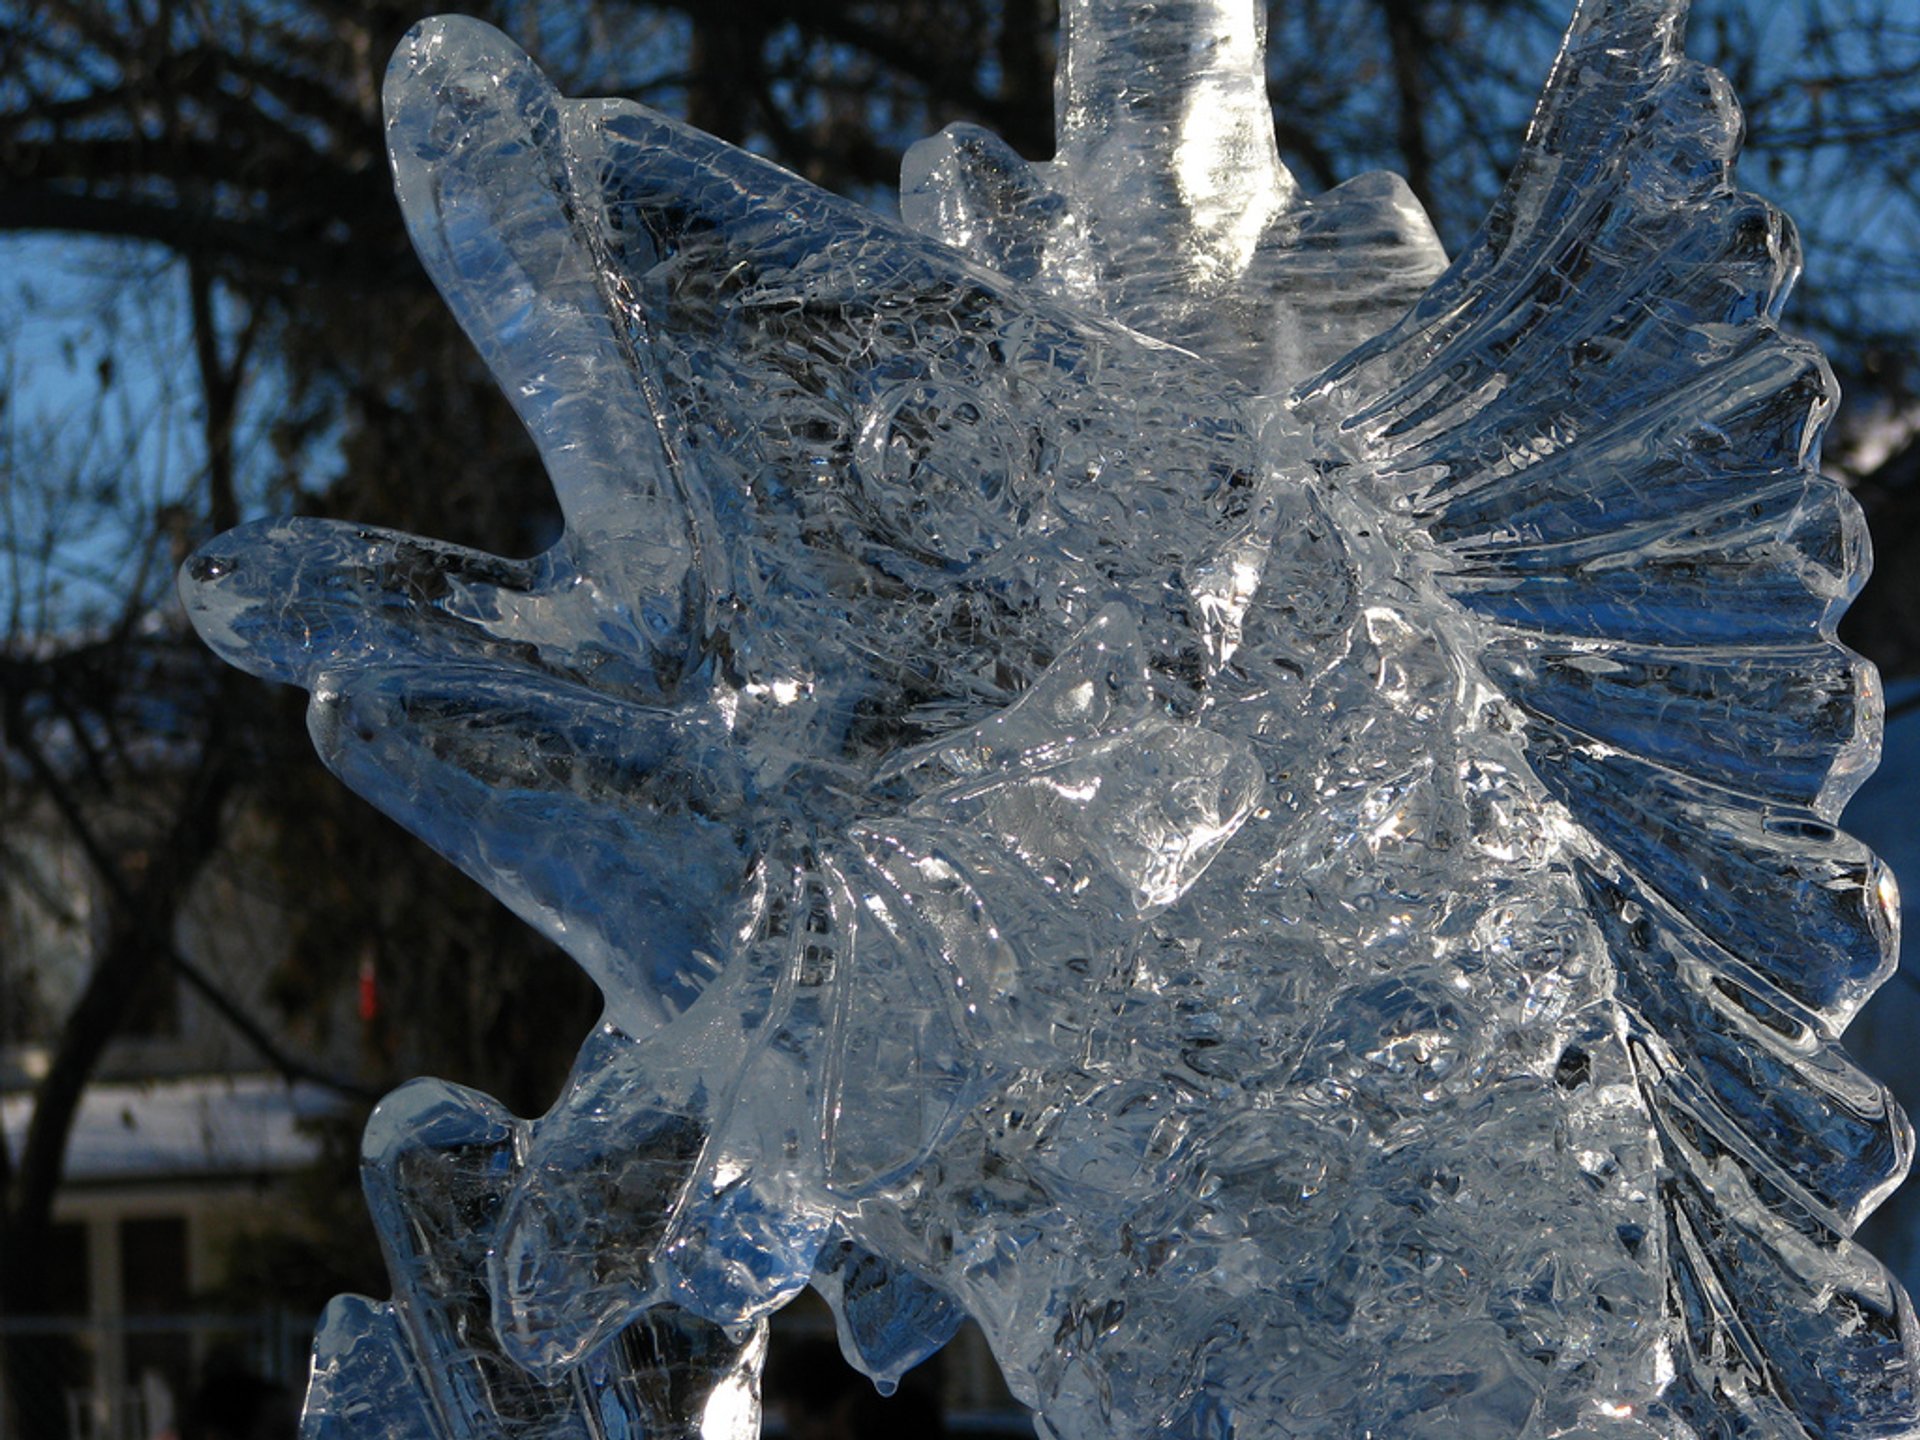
[[209, 312]]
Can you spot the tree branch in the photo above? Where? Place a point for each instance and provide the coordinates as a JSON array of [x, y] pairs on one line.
[[287, 1064], [1410, 44], [259, 244]]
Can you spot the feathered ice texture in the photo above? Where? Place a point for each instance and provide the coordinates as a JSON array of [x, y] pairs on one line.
[[1140, 764]]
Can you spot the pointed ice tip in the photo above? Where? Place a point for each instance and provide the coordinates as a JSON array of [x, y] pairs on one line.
[[287, 599], [433, 1115], [451, 41], [1631, 27], [447, 58], [212, 589]]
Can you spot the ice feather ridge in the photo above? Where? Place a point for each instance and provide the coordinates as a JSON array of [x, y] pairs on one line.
[[1615, 451]]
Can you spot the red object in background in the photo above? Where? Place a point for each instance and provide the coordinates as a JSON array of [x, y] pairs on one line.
[[369, 992]]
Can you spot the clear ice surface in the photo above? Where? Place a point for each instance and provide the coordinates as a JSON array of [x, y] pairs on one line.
[[1138, 758]]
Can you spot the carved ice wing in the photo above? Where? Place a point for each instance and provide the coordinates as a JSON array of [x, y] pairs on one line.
[[840, 416], [1614, 452], [800, 450]]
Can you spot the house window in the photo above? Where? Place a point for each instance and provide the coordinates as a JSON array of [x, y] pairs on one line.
[[67, 1270], [153, 1290]]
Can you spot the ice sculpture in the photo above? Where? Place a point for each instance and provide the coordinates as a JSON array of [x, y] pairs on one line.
[[1138, 758]]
